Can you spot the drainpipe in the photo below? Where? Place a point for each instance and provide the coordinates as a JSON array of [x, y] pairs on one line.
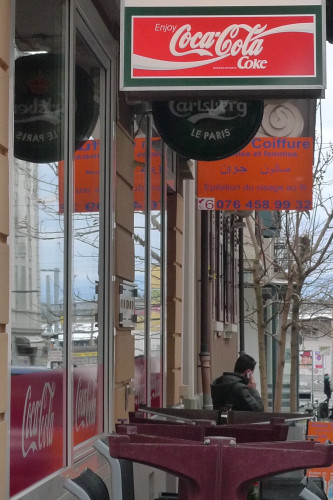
[[205, 312], [241, 286], [189, 348]]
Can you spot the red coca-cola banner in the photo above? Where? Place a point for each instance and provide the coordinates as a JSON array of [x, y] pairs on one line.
[[196, 47], [38, 420], [88, 402], [37, 431], [140, 385]]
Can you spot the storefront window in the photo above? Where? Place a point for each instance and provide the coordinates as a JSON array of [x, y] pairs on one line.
[[156, 272], [87, 338], [60, 266], [149, 265], [140, 229], [38, 419]]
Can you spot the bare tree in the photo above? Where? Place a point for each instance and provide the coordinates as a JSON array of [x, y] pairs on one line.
[[306, 263], [258, 273]]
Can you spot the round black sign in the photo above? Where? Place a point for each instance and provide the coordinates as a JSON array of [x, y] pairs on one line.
[[209, 129], [39, 110]]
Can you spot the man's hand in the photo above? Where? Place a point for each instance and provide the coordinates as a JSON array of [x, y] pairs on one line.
[[252, 383]]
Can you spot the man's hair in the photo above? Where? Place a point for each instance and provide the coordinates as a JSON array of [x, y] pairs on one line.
[[244, 362]]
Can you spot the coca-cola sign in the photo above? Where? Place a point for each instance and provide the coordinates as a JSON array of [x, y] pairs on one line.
[[37, 427], [208, 129], [220, 47], [38, 419], [88, 402]]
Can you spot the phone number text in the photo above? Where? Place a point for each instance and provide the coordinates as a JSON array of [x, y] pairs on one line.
[[211, 204]]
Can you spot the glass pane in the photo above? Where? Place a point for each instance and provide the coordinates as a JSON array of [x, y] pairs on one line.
[[87, 336], [37, 266], [148, 260], [140, 269], [156, 270]]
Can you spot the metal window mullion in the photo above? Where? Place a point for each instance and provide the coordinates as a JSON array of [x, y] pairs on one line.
[[106, 271], [148, 257], [68, 223], [102, 309], [109, 369]]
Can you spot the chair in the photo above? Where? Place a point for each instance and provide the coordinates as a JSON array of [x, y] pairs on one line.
[[311, 491], [87, 486], [122, 481]]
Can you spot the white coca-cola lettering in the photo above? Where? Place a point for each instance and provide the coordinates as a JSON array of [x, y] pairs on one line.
[[226, 42], [246, 63], [38, 420], [165, 27], [86, 404]]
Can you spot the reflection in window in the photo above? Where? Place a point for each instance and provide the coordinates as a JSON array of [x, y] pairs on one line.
[[38, 255], [55, 247], [86, 217], [148, 270], [140, 223], [87, 331], [226, 271], [37, 247], [156, 270], [38, 232]]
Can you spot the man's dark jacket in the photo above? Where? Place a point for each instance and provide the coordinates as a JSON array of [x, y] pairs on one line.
[[231, 391]]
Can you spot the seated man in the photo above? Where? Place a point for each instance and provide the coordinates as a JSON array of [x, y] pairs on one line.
[[237, 391]]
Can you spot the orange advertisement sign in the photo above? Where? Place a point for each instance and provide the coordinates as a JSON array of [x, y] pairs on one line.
[[139, 175], [323, 432], [86, 179], [271, 173]]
